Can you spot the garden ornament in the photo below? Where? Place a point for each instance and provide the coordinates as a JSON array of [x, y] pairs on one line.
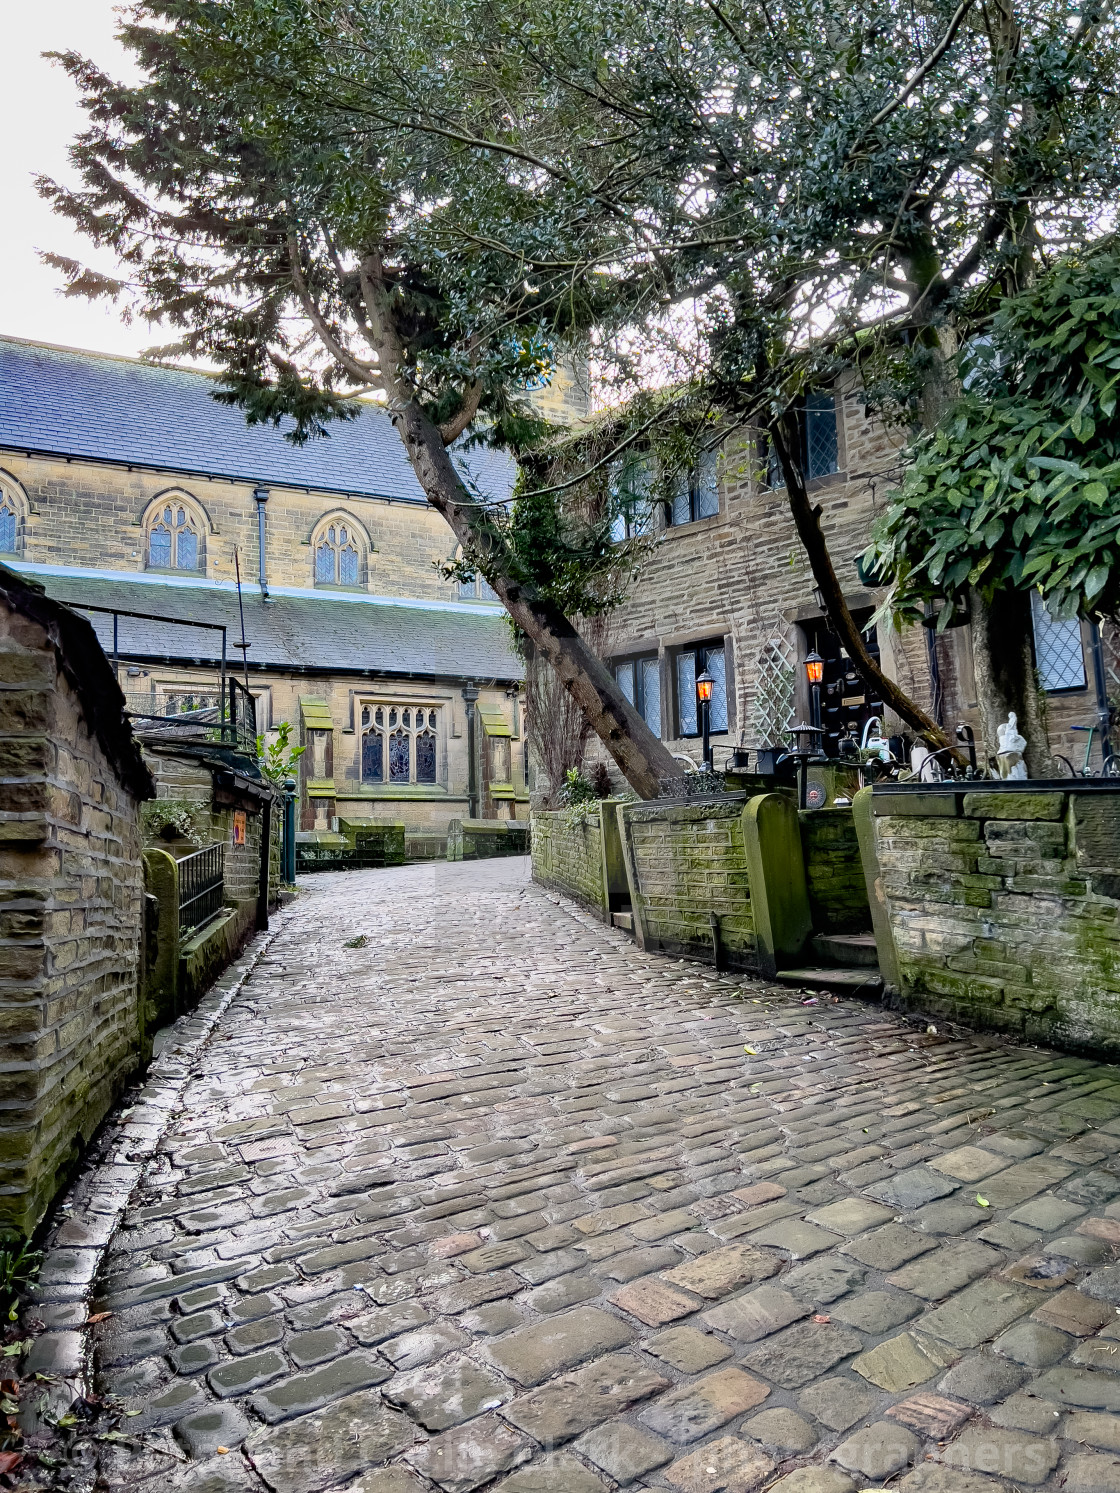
[[1011, 748]]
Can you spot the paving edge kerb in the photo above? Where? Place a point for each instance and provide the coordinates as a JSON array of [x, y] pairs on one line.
[[111, 1172]]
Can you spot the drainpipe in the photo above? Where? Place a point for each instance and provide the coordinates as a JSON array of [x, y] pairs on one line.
[[1100, 682], [261, 496], [470, 695]]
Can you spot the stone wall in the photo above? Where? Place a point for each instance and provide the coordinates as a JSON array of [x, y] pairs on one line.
[[92, 514], [689, 862], [568, 856], [1004, 906], [71, 898], [834, 871]]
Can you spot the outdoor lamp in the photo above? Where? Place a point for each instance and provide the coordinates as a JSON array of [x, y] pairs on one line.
[[814, 673], [704, 684]]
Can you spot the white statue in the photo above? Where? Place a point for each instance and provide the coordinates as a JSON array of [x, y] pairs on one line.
[[1011, 749]]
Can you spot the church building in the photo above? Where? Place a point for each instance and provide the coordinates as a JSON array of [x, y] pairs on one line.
[[126, 488]]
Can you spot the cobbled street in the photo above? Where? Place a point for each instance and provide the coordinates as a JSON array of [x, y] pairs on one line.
[[463, 1191]]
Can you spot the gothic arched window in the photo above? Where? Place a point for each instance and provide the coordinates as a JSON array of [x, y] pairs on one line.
[[12, 510], [399, 744], [9, 524], [338, 556], [174, 535]]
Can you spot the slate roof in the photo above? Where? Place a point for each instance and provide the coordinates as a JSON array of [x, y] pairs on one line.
[[330, 636], [63, 402]]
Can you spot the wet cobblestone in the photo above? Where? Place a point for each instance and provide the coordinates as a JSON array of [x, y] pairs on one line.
[[493, 1199]]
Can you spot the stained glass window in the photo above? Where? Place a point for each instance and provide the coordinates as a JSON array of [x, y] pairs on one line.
[[373, 758], [426, 757], [400, 741], [399, 758]]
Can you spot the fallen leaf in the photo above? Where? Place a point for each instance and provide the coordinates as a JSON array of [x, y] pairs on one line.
[[752, 1050], [98, 1317], [983, 1201], [9, 1461], [821, 1317], [223, 1451]]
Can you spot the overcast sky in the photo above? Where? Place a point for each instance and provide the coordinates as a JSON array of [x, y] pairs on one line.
[[39, 115]]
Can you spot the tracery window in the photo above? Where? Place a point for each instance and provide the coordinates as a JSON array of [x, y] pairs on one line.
[[12, 510], [399, 744], [337, 555], [9, 524], [174, 537]]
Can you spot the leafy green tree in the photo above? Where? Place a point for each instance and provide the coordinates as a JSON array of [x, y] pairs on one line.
[[265, 205], [1018, 487], [278, 758], [726, 202]]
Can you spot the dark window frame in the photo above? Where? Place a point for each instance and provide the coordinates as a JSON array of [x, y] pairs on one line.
[[703, 485], [805, 414], [636, 661], [701, 653]]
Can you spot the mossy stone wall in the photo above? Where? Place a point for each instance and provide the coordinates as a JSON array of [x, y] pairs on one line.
[[71, 919], [1004, 907], [567, 853], [834, 871], [689, 862]]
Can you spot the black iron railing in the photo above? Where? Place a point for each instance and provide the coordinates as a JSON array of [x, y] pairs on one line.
[[202, 884], [241, 722]]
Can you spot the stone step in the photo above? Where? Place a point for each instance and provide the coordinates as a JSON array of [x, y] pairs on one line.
[[623, 920], [862, 981], [851, 949]]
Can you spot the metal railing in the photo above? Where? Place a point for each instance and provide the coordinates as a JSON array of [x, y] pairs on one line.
[[222, 710], [202, 884]]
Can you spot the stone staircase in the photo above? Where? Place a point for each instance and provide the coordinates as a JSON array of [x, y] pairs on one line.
[[848, 964]]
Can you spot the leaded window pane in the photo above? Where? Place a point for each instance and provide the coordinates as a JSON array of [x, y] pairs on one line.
[[686, 693], [682, 508], [821, 451], [399, 758], [7, 530], [324, 564], [624, 673], [485, 590], [717, 709], [1058, 649], [373, 758], [348, 567], [466, 590], [707, 490], [425, 758], [186, 549], [651, 694], [159, 547]]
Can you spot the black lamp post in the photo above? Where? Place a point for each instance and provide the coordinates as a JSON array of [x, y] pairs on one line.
[[704, 684], [814, 673]]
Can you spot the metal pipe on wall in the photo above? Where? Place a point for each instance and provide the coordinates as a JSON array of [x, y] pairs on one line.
[[260, 494]]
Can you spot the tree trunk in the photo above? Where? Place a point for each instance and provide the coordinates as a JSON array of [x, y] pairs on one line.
[[1003, 654], [808, 524], [642, 758]]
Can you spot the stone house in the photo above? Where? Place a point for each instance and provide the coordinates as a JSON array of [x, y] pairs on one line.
[[729, 587], [72, 782], [127, 487]]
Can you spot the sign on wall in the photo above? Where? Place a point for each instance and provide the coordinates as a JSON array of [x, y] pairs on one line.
[[239, 828]]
